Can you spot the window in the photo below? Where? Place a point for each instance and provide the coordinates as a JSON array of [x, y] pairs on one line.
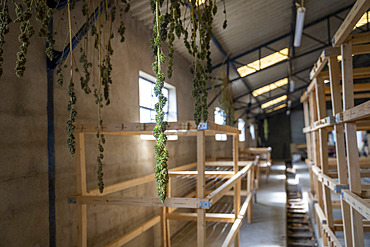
[[241, 127], [220, 118], [264, 62], [252, 131], [147, 101]]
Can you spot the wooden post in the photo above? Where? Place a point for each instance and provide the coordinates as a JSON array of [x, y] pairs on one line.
[[323, 144], [81, 189], [308, 142], [250, 190], [351, 143], [237, 186], [315, 146], [334, 74], [201, 160]]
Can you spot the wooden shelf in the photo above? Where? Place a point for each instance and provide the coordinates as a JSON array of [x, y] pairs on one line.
[[200, 199], [184, 128]]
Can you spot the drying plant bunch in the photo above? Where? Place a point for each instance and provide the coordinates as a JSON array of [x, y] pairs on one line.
[[171, 20], [24, 11], [101, 32]]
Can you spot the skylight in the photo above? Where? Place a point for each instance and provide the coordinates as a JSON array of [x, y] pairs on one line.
[[276, 108], [264, 62], [200, 2], [362, 21], [274, 102], [270, 87]]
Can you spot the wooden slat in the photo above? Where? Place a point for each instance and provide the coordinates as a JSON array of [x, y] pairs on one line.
[[359, 204], [221, 191], [135, 232], [228, 163], [359, 38], [211, 217], [348, 24], [237, 186], [207, 173]]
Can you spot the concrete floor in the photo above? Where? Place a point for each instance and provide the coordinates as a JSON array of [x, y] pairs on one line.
[[268, 227]]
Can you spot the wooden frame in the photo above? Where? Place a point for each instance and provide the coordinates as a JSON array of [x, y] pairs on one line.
[[200, 199], [346, 119]]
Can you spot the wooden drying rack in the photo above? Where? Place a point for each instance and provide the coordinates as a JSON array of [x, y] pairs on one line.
[[201, 200], [346, 120]]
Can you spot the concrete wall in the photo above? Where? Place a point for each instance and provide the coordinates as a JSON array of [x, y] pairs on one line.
[[23, 146]]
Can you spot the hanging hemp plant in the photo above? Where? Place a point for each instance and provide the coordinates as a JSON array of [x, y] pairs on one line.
[[202, 20], [226, 100], [102, 33], [159, 36], [4, 29]]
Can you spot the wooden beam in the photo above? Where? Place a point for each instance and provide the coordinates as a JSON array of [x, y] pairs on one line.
[[206, 173], [211, 217], [358, 87], [351, 142], [201, 182], [359, 204], [331, 236], [238, 222], [179, 202], [221, 191], [360, 7], [228, 163], [358, 73], [81, 189]]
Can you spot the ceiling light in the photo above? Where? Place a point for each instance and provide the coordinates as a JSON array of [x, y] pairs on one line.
[[362, 21], [299, 26], [270, 87], [264, 62], [273, 102], [276, 108]]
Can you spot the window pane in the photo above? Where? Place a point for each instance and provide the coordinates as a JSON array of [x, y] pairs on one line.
[[241, 127], [145, 115], [146, 93]]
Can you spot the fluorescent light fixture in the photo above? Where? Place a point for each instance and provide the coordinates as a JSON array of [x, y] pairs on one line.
[[273, 102], [291, 86], [264, 62], [276, 108], [362, 21], [199, 2], [270, 87], [299, 26]]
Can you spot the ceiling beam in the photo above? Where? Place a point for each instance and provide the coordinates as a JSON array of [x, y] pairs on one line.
[[232, 66], [285, 35], [294, 74]]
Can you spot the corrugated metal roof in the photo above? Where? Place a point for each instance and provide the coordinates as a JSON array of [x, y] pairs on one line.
[[252, 23]]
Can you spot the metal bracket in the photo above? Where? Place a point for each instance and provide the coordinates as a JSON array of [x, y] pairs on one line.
[[204, 126], [331, 120], [204, 204], [72, 200], [339, 188]]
